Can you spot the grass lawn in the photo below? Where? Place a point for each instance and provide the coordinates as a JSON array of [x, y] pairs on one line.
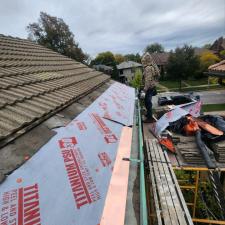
[[213, 107], [176, 84], [202, 81], [170, 83], [215, 87]]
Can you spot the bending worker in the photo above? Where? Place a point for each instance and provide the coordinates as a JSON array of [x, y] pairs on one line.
[[150, 79]]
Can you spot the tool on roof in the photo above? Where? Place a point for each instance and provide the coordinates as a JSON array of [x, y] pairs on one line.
[[193, 127], [167, 143], [206, 126]]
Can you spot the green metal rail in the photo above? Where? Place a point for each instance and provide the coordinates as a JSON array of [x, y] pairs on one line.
[[143, 205]]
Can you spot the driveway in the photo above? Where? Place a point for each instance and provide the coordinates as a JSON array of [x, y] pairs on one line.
[[207, 97], [212, 97]]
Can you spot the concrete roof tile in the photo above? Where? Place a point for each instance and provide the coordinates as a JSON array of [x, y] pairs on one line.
[[35, 82]]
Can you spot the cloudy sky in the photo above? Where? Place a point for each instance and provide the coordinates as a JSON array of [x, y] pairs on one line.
[[122, 26]]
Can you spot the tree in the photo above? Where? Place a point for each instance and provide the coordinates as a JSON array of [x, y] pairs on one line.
[[106, 58], [133, 57], [155, 47], [207, 46], [182, 63], [119, 58], [207, 59], [54, 33], [137, 81], [222, 54], [115, 73]]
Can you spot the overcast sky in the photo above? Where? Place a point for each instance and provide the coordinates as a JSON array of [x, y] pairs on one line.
[[122, 26]]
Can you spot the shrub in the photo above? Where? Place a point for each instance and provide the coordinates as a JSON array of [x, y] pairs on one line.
[[137, 81]]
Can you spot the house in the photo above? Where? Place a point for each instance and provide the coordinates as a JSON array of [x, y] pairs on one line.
[[61, 128], [218, 45], [161, 60], [127, 70], [217, 70], [199, 51], [103, 68]]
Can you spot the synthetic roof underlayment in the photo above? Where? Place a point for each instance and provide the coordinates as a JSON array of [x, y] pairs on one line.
[[193, 108], [68, 181]]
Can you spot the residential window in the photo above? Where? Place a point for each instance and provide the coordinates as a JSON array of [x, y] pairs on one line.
[[121, 71], [133, 70]]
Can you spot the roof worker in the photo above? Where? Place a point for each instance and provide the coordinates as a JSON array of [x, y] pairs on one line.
[[150, 78]]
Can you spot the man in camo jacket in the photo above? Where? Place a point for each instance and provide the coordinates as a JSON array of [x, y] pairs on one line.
[[150, 79]]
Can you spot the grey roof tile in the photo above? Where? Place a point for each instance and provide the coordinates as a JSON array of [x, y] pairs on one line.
[[35, 81]]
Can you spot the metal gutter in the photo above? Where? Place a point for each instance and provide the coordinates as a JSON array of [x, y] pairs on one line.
[[143, 205], [215, 73]]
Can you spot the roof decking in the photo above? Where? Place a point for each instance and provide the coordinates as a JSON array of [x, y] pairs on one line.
[[36, 82]]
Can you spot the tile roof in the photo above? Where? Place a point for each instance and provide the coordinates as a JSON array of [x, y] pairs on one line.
[[218, 67], [199, 51], [218, 45], [128, 64], [160, 58], [36, 82], [13, 154]]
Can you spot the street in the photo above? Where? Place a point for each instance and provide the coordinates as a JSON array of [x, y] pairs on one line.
[[212, 97], [207, 97]]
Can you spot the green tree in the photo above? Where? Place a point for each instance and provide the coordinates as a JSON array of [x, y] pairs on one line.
[[106, 58], [155, 47], [222, 54], [207, 46], [133, 57], [54, 33], [183, 63], [137, 81], [119, 58], [115, 73]]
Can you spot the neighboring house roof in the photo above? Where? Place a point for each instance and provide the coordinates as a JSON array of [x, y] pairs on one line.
[[101, 66], [218, 67], [218, 45], [128, 64], [160, 58], [200, 51], [36, 82]]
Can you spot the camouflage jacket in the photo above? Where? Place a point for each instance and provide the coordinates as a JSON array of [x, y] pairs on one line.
[[151, 71]]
